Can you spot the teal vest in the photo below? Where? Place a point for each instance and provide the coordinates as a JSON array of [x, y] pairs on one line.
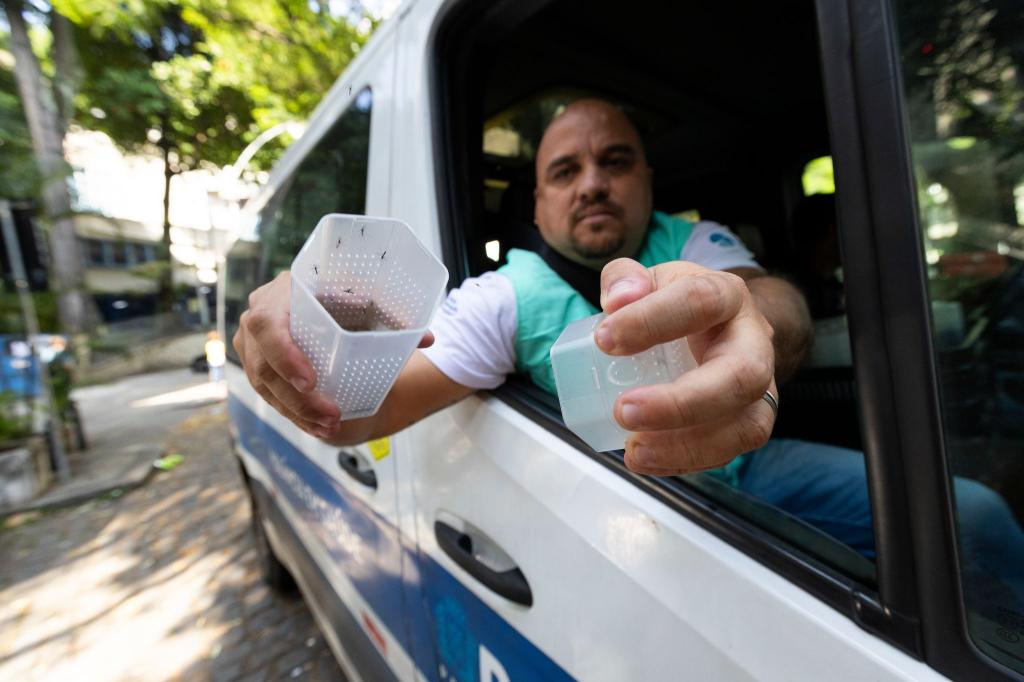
[[546, 304]]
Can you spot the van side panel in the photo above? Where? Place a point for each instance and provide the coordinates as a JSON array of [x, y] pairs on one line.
[[355, 535], [289, 502]]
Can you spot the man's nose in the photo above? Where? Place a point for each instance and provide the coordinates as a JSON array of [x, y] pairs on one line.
[[593, 183]]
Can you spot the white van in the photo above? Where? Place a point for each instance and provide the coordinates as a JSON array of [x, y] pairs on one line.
[[487, 542]]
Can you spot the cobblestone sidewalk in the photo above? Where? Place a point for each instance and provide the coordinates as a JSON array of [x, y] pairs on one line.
[[160, 583]]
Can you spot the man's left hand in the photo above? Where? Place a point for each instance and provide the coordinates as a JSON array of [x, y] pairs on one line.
[[714, 412]]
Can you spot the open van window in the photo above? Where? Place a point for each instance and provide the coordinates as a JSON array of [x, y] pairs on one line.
[[722, 149]]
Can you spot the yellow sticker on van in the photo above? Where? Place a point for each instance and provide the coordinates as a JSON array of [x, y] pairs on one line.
[[380, 448]]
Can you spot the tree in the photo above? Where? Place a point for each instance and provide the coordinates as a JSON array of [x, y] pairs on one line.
[[200, 79], [283, 54], [47, 107], [195, 80], [148, 85], [19, 175]]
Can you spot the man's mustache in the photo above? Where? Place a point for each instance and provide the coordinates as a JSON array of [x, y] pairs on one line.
[[590, 209]]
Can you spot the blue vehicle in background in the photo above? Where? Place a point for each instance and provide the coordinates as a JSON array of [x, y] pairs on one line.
[[19, 369]]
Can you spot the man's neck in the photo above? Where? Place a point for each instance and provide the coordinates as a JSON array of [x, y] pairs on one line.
[[585, 280]]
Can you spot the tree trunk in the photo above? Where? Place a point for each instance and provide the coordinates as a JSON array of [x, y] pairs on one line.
[[165, 296], [69, 72], [75, 308]]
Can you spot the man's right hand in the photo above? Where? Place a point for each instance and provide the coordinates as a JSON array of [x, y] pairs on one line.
[[275, 366]]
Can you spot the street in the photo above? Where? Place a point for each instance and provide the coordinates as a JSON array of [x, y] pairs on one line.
[[158, 583]]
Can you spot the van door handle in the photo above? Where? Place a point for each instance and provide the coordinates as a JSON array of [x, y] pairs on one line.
[[349, 463], [510, 584]]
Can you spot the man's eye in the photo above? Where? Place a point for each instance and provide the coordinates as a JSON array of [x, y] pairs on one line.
[[617, 162], [562, 173]]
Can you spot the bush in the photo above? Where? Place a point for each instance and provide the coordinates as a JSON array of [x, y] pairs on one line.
[[12, 322], [15, 417]]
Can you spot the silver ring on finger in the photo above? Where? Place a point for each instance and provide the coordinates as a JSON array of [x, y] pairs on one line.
[[772, 401]]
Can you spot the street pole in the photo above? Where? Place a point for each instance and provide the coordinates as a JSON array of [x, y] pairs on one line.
[[28, 311]]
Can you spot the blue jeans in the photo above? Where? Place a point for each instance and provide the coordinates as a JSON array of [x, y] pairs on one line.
[[826, 486]]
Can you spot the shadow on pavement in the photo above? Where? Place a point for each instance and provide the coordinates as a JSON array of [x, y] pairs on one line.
[[160, 583]]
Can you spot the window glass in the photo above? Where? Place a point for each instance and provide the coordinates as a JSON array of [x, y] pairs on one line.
[[241, 276], [96, 252], [108, 252], [119, 253], [809, 484], [331, 179], [138, 253], [963, 71]]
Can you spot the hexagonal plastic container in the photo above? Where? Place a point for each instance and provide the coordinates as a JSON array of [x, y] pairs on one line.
[[589, 381], [363, 293]]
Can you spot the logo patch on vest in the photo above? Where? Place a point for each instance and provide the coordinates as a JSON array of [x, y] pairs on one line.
[[723, 240]]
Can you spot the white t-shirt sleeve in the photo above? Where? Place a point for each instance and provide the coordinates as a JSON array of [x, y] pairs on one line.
[[716, 247], [474, 332]]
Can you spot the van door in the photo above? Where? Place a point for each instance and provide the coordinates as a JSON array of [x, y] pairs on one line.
[[538, 559], [539, 563]]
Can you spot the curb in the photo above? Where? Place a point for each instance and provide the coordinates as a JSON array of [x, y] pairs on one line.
[[136, 477]]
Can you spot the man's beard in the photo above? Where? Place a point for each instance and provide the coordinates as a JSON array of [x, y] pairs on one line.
[[601, 244], [604, 248]]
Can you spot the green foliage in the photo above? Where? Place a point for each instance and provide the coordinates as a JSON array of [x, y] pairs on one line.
[[207, 75], [152, 270], [15, 417], [146, 83], [19, 175], [61, 374], [283, 54], [12, 322]]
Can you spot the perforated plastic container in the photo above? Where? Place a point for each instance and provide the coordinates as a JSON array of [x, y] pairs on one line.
[[363, 293], [589, 381]]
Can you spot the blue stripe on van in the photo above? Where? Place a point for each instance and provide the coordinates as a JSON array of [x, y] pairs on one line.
[[463, 626], [361, 543], [368, 548]]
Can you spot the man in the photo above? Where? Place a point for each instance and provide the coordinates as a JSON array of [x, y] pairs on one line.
[[593, 209]]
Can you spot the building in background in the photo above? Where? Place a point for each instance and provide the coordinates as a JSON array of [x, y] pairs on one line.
[[119, 220]]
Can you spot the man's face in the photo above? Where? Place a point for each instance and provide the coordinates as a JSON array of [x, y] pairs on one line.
[[593, 196]]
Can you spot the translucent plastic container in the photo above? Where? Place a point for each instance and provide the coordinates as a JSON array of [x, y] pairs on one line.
[[590, 381], [363, 293]]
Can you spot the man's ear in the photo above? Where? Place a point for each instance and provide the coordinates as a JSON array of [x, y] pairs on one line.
[[536, 191]]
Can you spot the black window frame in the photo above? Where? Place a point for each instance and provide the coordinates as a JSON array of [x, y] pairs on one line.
[[890, 333]]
